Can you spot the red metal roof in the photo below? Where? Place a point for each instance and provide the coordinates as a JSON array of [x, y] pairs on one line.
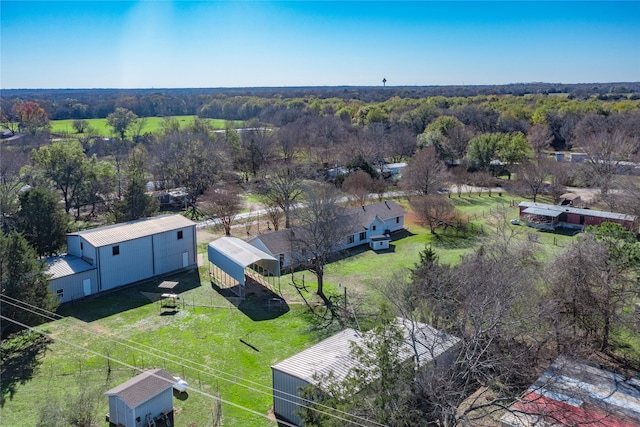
[[558, 412]]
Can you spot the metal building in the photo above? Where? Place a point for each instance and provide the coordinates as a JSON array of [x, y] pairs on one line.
[[333, 355], [231, 257], [122, 254]]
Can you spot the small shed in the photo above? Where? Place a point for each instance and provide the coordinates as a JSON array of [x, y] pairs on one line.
[[333, 355], [143, 400], [380, 242]]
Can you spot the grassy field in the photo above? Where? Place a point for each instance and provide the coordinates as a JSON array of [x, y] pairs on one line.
[[214, 340], [151, 125]]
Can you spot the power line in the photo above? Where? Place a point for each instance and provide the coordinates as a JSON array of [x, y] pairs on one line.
[[216, 373], [95, 353]]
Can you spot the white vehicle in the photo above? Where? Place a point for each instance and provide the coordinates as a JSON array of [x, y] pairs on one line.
[[180, 384]]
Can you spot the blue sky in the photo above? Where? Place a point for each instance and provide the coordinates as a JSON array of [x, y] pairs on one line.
[[167, 44]]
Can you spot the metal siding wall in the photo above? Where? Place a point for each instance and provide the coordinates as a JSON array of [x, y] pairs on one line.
[[162, 403], [73, 245], [134, 263], [72, 285], [285, 405], [168, 250], [87, 251]]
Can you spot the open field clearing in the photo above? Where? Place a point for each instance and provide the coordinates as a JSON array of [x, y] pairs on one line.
[[151, 125], [215, 341]]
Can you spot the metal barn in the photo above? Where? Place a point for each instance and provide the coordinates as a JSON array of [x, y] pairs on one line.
[[126, 253], [144, 400], [432, 347]]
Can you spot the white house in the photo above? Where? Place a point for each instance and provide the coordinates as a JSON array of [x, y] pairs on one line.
[[144, 400], [333, 355], [105, 258], [373, 226]]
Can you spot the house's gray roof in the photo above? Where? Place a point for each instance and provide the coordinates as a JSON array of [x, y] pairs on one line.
[[112, 234], [143, 387], [334, 353], [66, 265], [577, 211], [279, 242], [383, 210]]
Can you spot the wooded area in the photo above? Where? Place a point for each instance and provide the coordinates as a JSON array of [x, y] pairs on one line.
[[304, 153]]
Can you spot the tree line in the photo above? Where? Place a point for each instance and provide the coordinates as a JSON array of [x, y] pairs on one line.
[[98, 103]]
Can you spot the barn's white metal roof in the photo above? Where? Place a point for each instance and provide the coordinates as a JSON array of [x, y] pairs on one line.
[[240, 251], [112, 234], [331, 354], [334, 353], [66, 265]]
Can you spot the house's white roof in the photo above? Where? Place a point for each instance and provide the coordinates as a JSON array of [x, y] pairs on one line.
[[66, 265], [334, 353], [112, 234]]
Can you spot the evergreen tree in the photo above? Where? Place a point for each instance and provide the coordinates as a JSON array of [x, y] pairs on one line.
[[23, 277], [42, 220]]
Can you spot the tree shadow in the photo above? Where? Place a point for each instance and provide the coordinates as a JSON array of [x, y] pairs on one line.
[[20, 357], [451, 239], [259, 303], [128, 297], [180, 395]]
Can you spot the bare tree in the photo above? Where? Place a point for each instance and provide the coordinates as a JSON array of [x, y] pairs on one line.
[[434, 211], [424, 174], [275, 215], [283, 188], [532, 175], [540, 139], [358, 185], [11, 161], [321, 229], [257, 145], [593, 284], [605, 152], [490, 302], [223, 203]]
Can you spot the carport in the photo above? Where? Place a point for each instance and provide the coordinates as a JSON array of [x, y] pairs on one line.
[[232, 259]]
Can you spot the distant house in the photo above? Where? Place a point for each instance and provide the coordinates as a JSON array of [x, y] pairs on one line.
[[144, 400], [105, 258], [550, 217], [575, 394], [333, 355], [373, 226], [395, 168]]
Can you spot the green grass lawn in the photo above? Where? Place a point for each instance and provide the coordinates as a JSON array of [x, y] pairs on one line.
[[218, 342], [151, 125], [199, 343]]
